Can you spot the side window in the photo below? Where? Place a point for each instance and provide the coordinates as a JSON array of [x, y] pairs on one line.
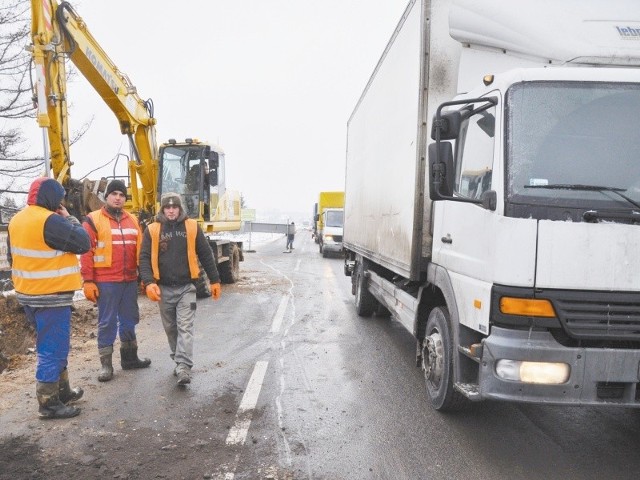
[[474, 156]]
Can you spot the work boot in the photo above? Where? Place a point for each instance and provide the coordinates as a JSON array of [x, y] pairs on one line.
[[106, 370], [49, 402], [65, 392], [183, 372], [129, 356]]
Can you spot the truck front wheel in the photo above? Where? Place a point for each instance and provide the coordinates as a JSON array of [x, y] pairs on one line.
[[365, 301], [437, 362]]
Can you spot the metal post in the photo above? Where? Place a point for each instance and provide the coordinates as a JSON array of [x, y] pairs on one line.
[[47, 160]]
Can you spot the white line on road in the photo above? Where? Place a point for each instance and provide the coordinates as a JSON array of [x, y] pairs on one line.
[[238, 433], [277, 318], [297, 266]]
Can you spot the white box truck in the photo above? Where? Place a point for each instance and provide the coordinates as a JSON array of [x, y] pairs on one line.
[[492, 198]]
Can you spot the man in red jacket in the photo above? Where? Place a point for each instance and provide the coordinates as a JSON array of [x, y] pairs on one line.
[[110, 274]]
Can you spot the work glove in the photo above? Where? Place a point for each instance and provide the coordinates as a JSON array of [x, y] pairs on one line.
[[91, 291], [215, 290], [153, 292]]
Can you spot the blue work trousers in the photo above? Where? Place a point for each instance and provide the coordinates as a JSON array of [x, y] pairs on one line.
[[117, 312], [53, 337]]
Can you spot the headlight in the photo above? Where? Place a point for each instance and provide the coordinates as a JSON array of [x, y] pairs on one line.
[[533, 372], [328, 238]]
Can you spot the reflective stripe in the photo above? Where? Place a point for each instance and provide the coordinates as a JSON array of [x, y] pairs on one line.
[[98, 258], [124, 231], [100, 244], [28, 252], [46, 273]]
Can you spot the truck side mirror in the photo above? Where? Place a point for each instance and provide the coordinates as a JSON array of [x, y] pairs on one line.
[[449, 125], [441, 172]]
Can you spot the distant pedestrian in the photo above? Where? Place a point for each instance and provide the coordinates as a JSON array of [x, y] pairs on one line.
[[110, 274], [171, 249], [43, 244], [291, 233]]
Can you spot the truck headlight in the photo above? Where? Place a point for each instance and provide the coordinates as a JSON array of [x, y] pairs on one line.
[[547, 373], [328, 238]]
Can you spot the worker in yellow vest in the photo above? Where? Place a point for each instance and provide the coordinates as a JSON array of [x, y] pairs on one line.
[[171, 249], [43, 244]]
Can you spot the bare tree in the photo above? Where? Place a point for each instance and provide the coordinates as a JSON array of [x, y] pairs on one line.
[[16, 104]]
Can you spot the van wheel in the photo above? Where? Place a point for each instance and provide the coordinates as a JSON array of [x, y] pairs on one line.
[[365, 302], [437, 363]]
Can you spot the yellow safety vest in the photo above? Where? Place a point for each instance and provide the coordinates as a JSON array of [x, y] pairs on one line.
[[192, 230], [38, 269], [103, 254]]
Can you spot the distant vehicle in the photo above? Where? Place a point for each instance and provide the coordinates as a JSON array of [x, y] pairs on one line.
[[492, 203], [330, 209]]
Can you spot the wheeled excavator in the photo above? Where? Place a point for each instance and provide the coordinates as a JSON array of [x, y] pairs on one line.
[[192, 168]]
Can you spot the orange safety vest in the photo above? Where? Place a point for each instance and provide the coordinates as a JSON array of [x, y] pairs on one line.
[[103, 254], [38, 269], [192, 230]]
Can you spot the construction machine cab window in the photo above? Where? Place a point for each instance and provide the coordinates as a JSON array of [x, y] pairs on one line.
[[183, 171]]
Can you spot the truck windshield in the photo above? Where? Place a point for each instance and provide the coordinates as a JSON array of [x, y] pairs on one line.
[[334, 219], [573, 144]]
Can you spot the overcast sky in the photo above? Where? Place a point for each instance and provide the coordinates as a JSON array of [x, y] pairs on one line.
[[271, 81]]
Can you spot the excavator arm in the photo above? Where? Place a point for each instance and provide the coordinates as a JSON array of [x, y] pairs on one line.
[[59, 32]]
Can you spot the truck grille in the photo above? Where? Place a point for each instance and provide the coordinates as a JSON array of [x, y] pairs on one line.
[[337, 238], [597, 315]]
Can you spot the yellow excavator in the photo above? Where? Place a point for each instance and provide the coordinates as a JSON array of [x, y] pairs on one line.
[[194, 169]]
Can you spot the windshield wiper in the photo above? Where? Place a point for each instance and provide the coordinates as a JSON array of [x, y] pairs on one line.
[[587, 188]]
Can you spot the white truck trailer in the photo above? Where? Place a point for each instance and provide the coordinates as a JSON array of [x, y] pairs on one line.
[[492, 198]]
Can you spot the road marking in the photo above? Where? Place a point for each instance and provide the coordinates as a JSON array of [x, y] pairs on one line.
[[297, 266], [277, 318], [238, 433]]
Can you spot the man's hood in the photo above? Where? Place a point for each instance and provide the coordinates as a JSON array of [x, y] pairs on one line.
[[45, 192]]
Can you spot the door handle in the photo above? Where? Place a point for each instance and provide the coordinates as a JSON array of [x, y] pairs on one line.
[[447, 239]]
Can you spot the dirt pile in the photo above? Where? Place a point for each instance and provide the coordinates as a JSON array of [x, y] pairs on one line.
[[17, 335]]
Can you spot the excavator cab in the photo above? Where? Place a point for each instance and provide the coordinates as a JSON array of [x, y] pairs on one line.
[[194, 170]]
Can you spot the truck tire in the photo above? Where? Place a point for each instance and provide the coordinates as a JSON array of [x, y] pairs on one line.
[[203, 286], [365, 302], [437, 363], [230, 270]]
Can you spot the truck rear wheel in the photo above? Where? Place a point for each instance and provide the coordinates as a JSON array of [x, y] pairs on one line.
[[365, 302], [230, 270], [437, 362]]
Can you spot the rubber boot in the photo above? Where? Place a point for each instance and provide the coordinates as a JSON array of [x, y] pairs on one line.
[[50, 404], [65, 392], [129, 356], [106, 370]]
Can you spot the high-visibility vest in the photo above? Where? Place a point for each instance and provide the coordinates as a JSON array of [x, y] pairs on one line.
[[38, 269], [192, 230], [130, 234]]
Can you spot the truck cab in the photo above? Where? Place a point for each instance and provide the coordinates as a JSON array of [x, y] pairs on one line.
[[330, 236]]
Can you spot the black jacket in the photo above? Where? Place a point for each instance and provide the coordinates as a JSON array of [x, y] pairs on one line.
[[172, 254]]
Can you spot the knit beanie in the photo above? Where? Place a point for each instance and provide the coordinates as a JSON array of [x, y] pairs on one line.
[[170, 198], [116, 186]]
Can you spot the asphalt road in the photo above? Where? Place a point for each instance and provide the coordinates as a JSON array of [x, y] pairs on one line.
[[290, 383]]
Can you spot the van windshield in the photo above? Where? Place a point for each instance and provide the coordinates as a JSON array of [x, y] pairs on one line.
[[573, 144], [334, 218]]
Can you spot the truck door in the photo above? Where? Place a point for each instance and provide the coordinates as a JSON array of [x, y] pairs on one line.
[[478, 246]]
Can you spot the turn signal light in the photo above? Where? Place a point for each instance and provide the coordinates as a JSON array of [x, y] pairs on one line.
[[528, 307]]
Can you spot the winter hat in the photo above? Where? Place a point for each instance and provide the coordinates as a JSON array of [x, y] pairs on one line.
[[170, 198], [116, 186]]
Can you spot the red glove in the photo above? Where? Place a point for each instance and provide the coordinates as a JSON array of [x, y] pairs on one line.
[[215, 291], [91, 291], [153, 292]]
